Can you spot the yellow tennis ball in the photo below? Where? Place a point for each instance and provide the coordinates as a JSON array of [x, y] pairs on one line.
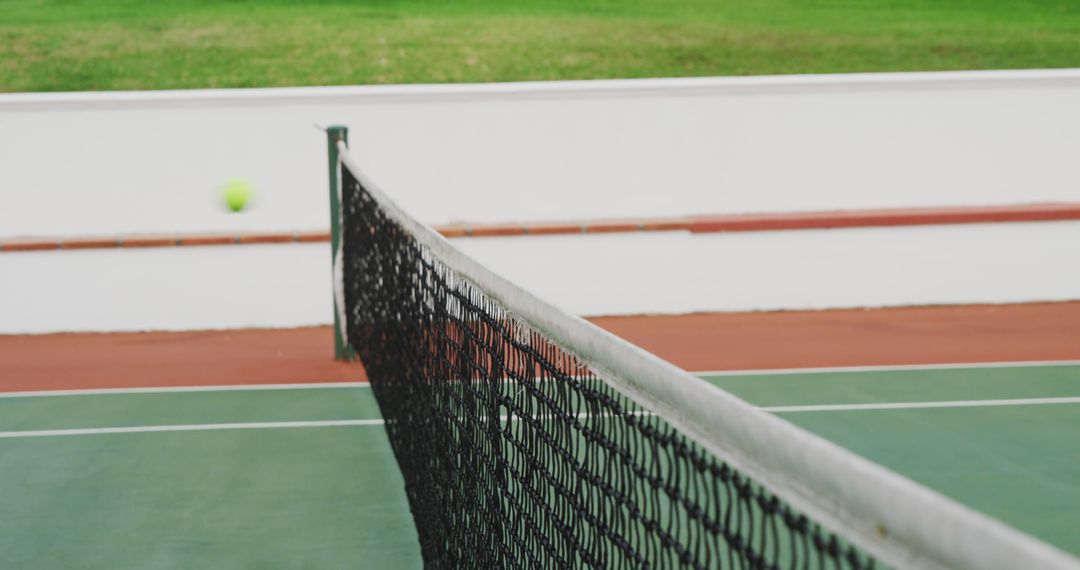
[[237, 193]]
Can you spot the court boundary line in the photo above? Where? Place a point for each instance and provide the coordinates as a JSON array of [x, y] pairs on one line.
[[888, 368], [186, 428], [702, 373], [171, 389], [945, 404]]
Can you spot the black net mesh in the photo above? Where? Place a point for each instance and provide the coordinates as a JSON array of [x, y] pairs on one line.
[[516, 455]]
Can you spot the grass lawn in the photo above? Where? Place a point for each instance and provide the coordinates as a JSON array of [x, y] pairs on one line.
[[74, 45]]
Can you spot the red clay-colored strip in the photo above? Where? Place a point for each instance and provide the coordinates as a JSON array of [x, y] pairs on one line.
[[29, 245], [265, 238], [452, 231], [785, 339], [150, 241], [312, 237], [207, 239], [89, 243], [498, 231], [885, 218], [614, 227], [554, 229], [701, 224], [665, 225]]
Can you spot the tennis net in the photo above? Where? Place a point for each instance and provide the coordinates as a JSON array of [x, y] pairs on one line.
[[529, 438]]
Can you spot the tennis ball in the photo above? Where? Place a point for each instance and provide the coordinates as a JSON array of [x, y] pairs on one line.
[[236, 193]]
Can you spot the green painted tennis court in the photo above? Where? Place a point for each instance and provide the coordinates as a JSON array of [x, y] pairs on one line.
[[302, 476]]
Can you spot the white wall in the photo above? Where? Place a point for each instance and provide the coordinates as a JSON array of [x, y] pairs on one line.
[[679, 272], [106, 163], [671, 272], [185, 288]]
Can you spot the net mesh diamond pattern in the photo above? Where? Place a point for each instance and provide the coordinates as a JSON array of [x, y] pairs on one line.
[[516, 454]]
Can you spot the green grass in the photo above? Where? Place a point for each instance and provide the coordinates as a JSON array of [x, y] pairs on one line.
[[67, 45]]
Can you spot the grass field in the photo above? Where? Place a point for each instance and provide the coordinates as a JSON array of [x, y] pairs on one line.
[[68, 45]]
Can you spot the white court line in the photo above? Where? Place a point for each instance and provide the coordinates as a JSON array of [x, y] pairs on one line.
[[890, 368], [157, 390], [187, 427], [762, 372], [921, 405], [232, 426], [379, 422]]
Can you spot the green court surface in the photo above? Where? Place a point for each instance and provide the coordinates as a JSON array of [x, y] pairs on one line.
[[185, 487], [313, 497]]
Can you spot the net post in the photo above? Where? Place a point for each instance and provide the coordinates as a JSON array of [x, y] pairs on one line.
[[333, 135]]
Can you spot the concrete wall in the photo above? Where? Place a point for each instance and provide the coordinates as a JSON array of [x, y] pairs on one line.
[[670, 272], [108, 163]]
